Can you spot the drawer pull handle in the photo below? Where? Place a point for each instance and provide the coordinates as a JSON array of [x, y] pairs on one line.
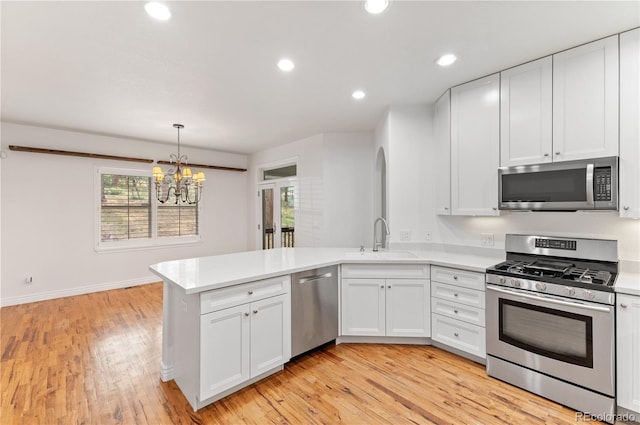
[[455, 278], [623, 305], [455, 311], [456, 334], [250, 292], [381, 286], [246, 314], [255, 311], [455, 294], [389, 286]]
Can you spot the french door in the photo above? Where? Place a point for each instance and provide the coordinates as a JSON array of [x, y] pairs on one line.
[[277, 202]]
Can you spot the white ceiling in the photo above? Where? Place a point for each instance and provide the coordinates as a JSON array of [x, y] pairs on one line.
[[108, 68]]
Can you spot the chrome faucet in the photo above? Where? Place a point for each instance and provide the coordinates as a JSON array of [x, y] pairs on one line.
[[377, 244]]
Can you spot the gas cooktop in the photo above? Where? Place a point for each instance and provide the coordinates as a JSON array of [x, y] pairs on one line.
[[575, 268], [563, 273]]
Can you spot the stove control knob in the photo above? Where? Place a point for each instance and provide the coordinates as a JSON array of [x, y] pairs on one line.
[[588, 294], [516, 283], [502, 280], [570, 291], [541, 286]]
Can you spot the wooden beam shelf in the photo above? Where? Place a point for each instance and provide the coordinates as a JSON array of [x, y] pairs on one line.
[[114, 157], [212, 167], [79, 154]]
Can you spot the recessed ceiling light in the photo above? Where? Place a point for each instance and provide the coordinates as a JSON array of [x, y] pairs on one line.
[[375, 6], [286, 65], [358, 94], [157, 10], [446, 60]]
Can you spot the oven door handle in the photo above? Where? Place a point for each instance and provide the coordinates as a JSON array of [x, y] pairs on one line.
[[548, 300]]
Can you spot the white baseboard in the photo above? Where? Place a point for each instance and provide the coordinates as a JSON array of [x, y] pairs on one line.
[[80, 290]]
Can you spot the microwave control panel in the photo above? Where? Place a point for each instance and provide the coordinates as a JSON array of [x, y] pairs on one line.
[[602, 184]]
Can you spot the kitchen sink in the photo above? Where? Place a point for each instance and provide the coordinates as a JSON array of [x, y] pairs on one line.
[[379, 255]]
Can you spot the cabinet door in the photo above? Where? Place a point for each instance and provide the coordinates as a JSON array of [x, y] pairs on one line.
[[224, 350], [525, 114], [408, 307], [585, 101], [475, 141], [363, 307], [630, 124], [442, 135], [270, 343], [628, 349]]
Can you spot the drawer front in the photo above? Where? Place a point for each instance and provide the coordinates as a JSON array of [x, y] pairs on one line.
[[375, 270], [467, 279], [458, 294], [458, 334], [472, 315], [231, 296]]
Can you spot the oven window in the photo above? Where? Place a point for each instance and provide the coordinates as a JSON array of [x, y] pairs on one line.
[[548, 186], [567, 337]]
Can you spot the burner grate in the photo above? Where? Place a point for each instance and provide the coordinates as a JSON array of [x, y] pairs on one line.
[[588, 276]]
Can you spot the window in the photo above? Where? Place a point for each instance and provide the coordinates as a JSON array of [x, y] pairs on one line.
[[177, 220], [130, 217], [125, 210]]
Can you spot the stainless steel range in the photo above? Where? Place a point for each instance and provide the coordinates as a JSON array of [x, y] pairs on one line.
[[551, 320]]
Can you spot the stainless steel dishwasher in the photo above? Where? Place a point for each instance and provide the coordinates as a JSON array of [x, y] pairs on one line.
[[314, 308]]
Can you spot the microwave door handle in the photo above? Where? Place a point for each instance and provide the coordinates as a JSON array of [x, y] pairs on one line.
[[589, 184]]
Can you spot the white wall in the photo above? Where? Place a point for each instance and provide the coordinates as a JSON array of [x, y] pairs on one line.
[[348, 173], [412, 200], [409, 169], [335, 178], [49, 214]]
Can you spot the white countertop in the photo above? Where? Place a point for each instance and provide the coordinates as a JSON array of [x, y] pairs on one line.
[[205, 273], [628, 283]]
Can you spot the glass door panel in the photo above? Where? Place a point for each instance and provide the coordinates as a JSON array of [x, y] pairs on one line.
[[267, 223], [287, 217]]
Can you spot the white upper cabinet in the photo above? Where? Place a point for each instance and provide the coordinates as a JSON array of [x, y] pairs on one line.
[[630, 124], [442, 135], [525, 114], [585, 101], [475, 144]]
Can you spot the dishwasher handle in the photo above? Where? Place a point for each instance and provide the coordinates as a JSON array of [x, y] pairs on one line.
[[311, 279]]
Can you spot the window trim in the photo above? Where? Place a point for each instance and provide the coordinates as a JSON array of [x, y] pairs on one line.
[[152, 242]]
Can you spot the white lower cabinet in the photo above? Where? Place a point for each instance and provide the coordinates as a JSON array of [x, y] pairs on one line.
[[628, 352], [457, 310], [374, 304], [240, 343], [228, 338]]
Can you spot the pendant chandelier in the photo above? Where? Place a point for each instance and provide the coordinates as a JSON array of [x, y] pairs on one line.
[[178, 184]]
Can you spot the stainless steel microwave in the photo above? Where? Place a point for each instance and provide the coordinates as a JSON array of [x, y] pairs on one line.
[[590, 184]]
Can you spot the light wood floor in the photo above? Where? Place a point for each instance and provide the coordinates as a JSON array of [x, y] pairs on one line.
[[94, 359]]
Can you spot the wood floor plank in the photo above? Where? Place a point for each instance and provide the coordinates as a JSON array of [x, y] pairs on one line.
[[95, 359]]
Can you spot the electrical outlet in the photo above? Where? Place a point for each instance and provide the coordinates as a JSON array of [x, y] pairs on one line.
[[28, 280], [405, 235], [487, 239], [427, 236]]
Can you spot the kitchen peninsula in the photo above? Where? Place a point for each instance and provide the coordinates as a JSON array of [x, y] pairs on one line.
[[226, 318]]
